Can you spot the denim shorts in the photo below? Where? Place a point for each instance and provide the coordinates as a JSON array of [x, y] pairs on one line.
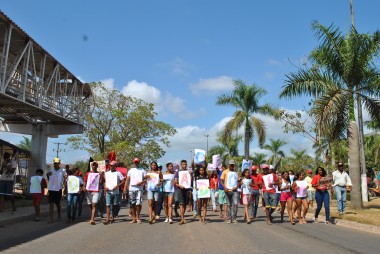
[[269, 199], [6, 187], [168, 194], [153, 195], [112, 198]]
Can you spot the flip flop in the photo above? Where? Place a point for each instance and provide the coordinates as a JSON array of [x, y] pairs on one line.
[[132, 221], [139, 221]]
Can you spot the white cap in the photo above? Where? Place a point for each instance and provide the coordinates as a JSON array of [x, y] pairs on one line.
[[271, 167]]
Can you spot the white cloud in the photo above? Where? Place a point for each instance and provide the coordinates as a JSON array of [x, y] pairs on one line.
[[142, 91], [108, 83], [212, 85], [177, 67]]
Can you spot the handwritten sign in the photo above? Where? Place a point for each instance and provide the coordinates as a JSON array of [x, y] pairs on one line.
[[93, 182], [35, 184], [203, 190], [246, 186], [154, 179], [55, 182], [216, 161], [72, 184], [246, 164], [326, 181], [268, 179], [232, 180], [136, 176], [111, 179], [184, 179], [168, 185], [210, 167], [199, 156]]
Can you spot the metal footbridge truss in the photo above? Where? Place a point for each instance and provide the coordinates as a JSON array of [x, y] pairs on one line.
[[34, 86]]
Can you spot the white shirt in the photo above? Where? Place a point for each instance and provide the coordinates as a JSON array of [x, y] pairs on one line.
[[61, 175], [341, 179], [131, 174], [7, 166]]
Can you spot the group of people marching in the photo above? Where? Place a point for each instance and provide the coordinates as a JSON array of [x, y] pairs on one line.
[[178, 187]]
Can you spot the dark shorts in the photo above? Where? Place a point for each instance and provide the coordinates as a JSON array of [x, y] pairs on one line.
[[55, 197], [269, 200], [183, 196], [6, 187]]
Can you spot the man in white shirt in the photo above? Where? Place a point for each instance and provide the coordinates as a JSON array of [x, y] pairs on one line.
[[56, 178], [341, 181], [136, 177]]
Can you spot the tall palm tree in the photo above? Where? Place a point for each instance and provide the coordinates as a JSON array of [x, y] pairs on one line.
[[275, 148], [343, 69], [246, 101]]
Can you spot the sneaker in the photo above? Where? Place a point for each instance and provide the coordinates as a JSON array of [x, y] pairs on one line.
[[315, 220], [228, 222], [234, 221], [167, 220], [170, 221]]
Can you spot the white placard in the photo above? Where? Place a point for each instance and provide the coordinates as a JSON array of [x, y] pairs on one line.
[[199, 156], [184, 179], [136, 176], [246, 186], [267, 179], [232, 180], [73, 184], [35, 184], [93, 182], [111, 179]]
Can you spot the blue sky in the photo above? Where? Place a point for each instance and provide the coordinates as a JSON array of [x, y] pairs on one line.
[[180, 55]]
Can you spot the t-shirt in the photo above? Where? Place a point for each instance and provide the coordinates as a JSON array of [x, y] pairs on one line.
[[136, 175], [267, 179], [257, 179], [60, 173], [8, 169], [308, 180], [108, 176], [315, 181], [301, 188], [214, 183]]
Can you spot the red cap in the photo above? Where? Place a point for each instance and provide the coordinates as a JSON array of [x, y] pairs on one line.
[[309, 171], [136, 160], [254, 167], [265, 166], [112, 163]]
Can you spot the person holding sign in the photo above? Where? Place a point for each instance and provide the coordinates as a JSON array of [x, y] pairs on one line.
[[154, 182], [269, 192], [246, 186], [136, 177], [113, 180], [230, 183], [342, 181], [182, 182], [168, 191], [37, 189], [322, 195], [258, 180], [300, 187], [56, 178], [92, 181], [73, 185], [200, 185]]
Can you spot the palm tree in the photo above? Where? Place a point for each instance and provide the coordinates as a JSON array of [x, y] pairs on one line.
[[246, 101], [258, 158], [25, 144], [228, 147], [343, 69], [275, 148]]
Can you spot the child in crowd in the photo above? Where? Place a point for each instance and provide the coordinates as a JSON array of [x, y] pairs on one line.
[[37, 197], [202, 202], [246, 186]]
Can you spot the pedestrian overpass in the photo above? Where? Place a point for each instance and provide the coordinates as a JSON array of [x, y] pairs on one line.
[[38, 95]]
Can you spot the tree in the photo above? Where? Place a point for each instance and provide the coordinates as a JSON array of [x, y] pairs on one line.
[[258, 158], [228, 147], [115, 122], [343, 69], [25, 144], [246, 101], [274, 148], [298, 160]]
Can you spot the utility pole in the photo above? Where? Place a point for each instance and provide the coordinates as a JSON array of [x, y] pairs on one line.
[[58, 150], [363, 169]]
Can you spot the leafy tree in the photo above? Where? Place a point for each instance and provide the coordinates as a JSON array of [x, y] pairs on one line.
[[258, 158], [127, 125], [343, 68], [228, 147], [246, 101]]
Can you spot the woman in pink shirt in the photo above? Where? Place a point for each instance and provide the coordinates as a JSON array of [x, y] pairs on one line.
[[300, 187]]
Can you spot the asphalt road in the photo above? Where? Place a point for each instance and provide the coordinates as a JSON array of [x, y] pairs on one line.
[[194, 237]]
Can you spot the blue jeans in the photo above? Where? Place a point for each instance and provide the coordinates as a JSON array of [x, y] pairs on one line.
[[340, 193], [232, 204], [72, 204], [213, 201], [322, 197], [160, 202], [255, 202]]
